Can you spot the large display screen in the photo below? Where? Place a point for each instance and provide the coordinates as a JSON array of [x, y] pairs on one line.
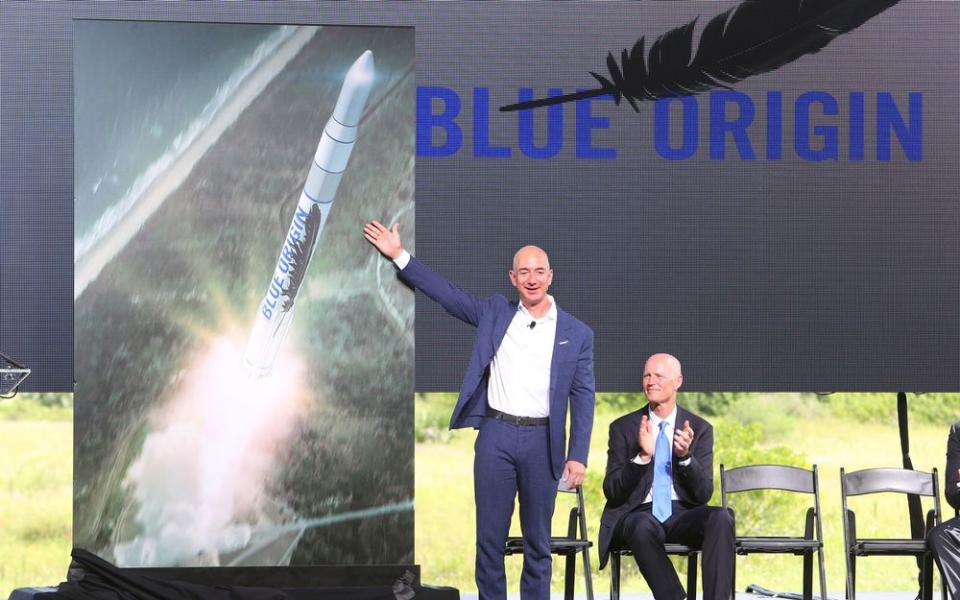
[[243, 362], [784, 220]]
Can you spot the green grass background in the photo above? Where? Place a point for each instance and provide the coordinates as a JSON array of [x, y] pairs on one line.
[[36, 479], [851, 430]]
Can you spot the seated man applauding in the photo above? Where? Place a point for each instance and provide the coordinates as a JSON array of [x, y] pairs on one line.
[[659, 478]]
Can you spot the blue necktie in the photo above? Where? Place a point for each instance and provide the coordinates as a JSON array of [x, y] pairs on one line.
[[662, 478]]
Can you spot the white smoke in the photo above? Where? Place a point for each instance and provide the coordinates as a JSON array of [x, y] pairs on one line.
[[198, 485]]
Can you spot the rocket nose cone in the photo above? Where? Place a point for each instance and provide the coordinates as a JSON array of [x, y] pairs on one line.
[[356, 88], [363, 67]]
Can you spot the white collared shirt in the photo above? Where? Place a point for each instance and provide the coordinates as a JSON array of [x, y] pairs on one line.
[[671, 420], [520, 372], [519, 381]]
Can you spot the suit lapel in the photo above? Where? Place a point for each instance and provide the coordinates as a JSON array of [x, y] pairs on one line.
[[500, 326], [562, 347], [682, 415]]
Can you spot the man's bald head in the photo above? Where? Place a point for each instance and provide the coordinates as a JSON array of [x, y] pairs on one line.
[[669, 361], [530, 252]]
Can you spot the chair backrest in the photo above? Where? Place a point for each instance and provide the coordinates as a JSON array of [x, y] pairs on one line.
[[775, 477], [578, 516], [769, 477], [904, 481]]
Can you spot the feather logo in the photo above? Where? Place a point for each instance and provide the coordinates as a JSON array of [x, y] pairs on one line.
[[302, 251], [752, 38]]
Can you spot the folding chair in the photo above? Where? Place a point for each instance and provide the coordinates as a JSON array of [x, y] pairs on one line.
[[788, 479], [675, 549], [903, 481], [568, 546]]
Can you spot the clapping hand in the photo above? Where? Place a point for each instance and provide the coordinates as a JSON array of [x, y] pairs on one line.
[[647, 439], [682, 438]]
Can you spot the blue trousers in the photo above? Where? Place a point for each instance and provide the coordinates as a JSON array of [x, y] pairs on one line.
[[512, 460]]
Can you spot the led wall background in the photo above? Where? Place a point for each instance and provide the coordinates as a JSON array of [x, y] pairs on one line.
[[796, 231]]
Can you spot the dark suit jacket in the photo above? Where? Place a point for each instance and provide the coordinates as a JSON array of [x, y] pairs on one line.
[[571, 369], [951, 477], [626, 484]]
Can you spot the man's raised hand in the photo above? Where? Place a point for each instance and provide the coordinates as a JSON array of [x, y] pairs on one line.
[[387, 241]]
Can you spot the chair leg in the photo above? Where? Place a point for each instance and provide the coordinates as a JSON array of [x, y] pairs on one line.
[[823, 575], [733, 579], [808, 575], [614, 575], [692, 576], [568, 575], [587, 575], [926, 587], [852, 578]]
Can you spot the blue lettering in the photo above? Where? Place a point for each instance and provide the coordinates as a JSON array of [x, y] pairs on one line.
[[720, 126], [266, 312], [691, 128], [541, 133], [855, 147], [774, 125], [283, 265], [586, 123], [888, 117], [276, 286], [427, 121], [525, 133], [301, 217], [828, 133], [481, 127]]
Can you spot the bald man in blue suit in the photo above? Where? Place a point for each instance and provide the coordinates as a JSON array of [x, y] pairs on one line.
[[530, 362]]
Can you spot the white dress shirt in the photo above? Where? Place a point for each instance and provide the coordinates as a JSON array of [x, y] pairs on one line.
[[520, 372]]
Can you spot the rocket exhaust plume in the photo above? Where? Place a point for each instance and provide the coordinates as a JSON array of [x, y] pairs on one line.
[[333, 152]]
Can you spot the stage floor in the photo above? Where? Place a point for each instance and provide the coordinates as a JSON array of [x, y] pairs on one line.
[[740, 596], [623, 596]]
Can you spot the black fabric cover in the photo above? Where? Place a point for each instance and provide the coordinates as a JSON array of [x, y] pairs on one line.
[[92, 578]]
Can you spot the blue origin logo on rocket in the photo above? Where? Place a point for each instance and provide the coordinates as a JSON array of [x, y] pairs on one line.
[[333, 153]]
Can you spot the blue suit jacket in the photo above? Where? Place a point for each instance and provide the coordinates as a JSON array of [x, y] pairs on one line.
[[571, 370]]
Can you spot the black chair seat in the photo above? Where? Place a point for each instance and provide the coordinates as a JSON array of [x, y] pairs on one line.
[[558, 545], [690, 552], [670, 549], [891, 547], [775, 545]]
